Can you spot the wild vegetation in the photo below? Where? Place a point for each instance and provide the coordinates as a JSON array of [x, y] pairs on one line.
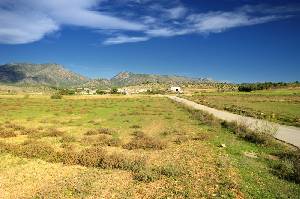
[[122, 147]]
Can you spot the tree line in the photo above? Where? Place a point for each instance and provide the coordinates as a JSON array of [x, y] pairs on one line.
[[248, 87]]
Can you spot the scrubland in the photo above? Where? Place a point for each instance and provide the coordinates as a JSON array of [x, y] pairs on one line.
[[135, 147]]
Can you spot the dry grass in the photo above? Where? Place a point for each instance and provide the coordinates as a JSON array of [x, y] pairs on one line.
[[6, 133], [100, 131], [142, 141]]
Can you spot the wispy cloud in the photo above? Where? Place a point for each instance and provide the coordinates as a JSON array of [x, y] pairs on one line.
[[124, 39], [125, 21]]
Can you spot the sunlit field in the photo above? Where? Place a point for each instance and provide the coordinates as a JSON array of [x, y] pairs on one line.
[[137, 147]]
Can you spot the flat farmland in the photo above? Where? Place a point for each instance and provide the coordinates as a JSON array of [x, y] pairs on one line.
[[120, 147], [281, 106]]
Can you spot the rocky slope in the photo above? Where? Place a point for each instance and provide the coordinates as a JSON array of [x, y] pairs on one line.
[[39, 74]]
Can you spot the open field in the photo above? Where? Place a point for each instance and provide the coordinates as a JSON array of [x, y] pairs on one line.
[[137, 147], [281, 105]]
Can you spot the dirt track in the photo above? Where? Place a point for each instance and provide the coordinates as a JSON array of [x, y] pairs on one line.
[[288, 134]]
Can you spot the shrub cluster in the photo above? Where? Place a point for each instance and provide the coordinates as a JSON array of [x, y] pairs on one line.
[[56, 96], [142, 141], [288, 167], [89, 157], [203, 117], [247, 134], [101, 140], [6, 133], [248, 87], [100, 131]]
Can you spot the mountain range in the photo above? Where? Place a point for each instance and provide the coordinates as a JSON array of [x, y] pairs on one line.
[[58, 76]]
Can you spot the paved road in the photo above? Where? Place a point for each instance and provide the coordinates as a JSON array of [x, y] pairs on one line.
[[288, 134]]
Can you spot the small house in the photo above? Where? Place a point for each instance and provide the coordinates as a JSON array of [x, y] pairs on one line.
[[176, 89]]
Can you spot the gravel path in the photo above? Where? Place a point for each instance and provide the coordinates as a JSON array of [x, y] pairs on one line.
[[288, 134]]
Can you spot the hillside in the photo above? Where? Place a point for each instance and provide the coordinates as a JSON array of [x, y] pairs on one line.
[[128, 79], [39, 74], [20, 74]]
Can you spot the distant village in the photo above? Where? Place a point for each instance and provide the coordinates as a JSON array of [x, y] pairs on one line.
[[125, 91]]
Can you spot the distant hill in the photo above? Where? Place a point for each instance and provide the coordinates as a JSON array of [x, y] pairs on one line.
[[39, 74], [128, 79], [56, 75]]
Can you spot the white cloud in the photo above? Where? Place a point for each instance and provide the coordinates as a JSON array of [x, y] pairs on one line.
[[28, 21], [215, 22], [176, 12], [25, 22], [124, 39], [15, 29]]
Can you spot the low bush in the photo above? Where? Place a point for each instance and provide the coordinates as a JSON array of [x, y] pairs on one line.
[[91, 157], [70, 157], [101, 140], [169, 170], [135, 126], [203, 117], [146, 175], [15, 127], [181, 139], [6, 133], [114, 142], [56, 96], [67, 139], [143, 141], [288, 166], [138, 134], [100, 131], [201, 136], [53, 132], [247, 134], [171, 131], [37, 149], [28, 131]]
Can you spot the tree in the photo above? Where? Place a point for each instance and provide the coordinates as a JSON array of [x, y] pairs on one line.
[[114, 91]]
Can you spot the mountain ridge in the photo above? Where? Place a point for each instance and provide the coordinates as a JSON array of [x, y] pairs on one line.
[[52, 74]]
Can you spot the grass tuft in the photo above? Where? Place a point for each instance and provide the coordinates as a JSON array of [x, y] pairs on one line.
[[142, 141]]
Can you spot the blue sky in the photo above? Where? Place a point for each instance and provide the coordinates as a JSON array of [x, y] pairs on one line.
[[227, 40]]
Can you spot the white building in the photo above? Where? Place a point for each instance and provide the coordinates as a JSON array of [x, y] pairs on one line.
[[176, 89]]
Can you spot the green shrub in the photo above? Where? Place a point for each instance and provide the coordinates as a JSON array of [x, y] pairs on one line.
[[56, 96], [203, 117], [169, 170], [66, 92], [100, 92], [288, 165], [247, 134], [135, 127], [146, 175], [114, 91]]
